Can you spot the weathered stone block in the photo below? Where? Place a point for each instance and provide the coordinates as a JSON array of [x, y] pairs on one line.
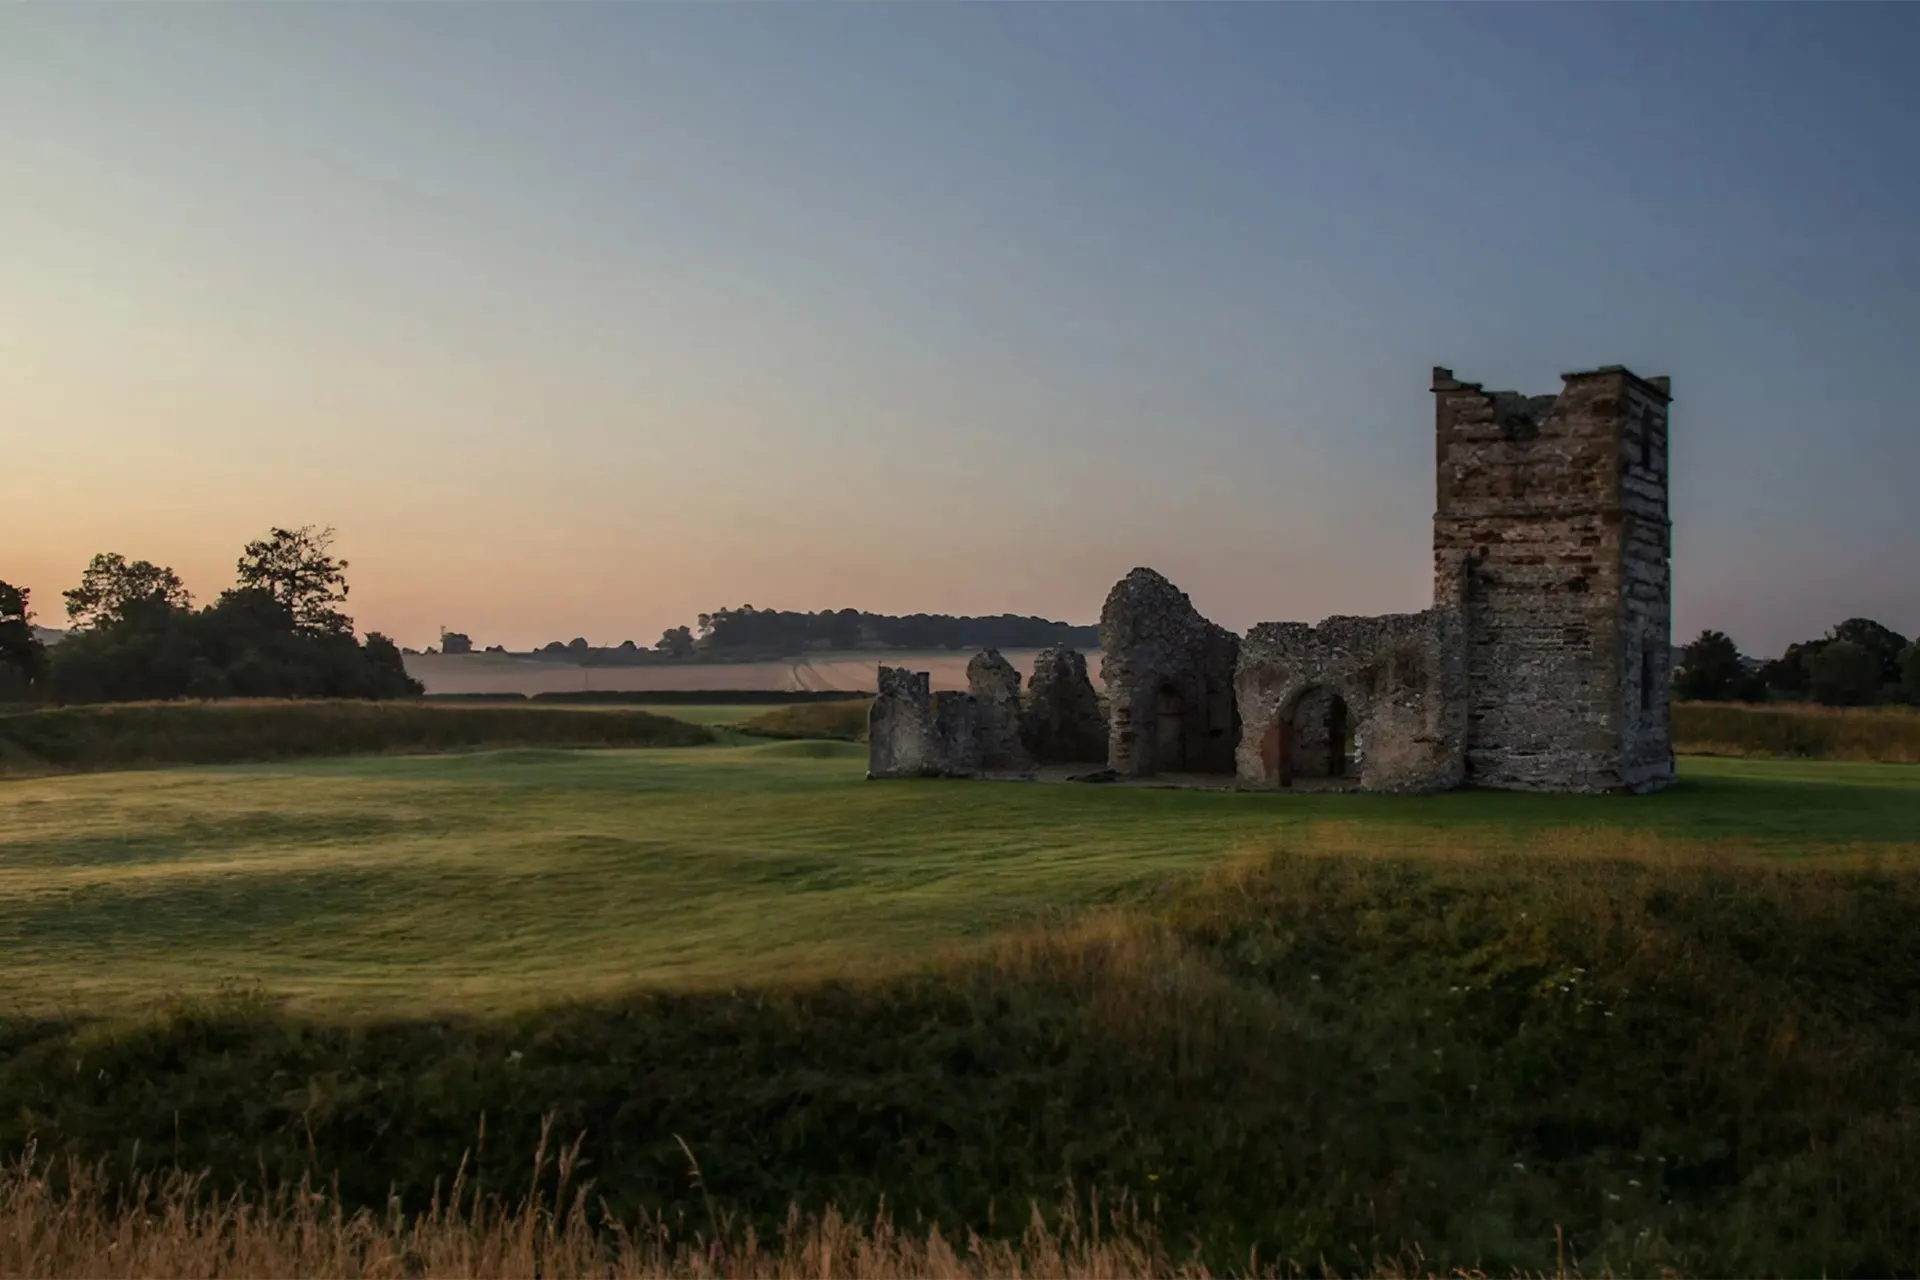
[[1169, 678], [995, 685]]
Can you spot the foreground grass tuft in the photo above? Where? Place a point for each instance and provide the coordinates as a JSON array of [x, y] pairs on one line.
[[126, 735], [73, 1221], [1627, 1057]]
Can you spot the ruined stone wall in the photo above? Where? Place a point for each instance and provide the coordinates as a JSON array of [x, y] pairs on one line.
[[1062, 721], [995, 685], [913, 732], [900, 740], [1169, 675], [956, 735], [1530, 531], [1646, 605], [1402, 677]]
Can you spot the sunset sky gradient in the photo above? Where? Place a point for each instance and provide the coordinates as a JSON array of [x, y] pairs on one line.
[[580, 319]]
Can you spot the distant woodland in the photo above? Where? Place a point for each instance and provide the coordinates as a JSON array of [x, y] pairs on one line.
[[747, 634]]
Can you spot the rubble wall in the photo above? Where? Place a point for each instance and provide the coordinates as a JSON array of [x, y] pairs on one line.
[[1169, 676], [1062, 721], [995, 686], [1402, 678]]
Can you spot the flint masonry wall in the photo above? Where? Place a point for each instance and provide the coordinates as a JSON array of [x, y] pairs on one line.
[[900, 725], [1061, 720], [1169, 676], [1551, 541], [1646, 606], [1402, 678], [913, 732], [995, 686]]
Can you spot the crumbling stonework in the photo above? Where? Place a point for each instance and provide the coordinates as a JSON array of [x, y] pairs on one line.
[[1062, 722], [915, 733], [1376, 703], [1543, 664], [1169, 677], [995, 686], [1551, 536], [900, 725]]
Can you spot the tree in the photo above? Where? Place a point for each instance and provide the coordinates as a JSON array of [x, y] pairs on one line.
[[20, 649], [676, 642], [1910, 672], [1843, 674], [297, 568], [1884, 643], [113, 586], [455, 642], [1711, 670]]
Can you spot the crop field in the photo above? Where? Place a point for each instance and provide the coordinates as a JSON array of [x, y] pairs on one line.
[[846, 671], [496, 879]]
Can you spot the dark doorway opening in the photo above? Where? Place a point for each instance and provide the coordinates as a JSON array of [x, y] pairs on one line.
[[1169, 730], [1315, 741]]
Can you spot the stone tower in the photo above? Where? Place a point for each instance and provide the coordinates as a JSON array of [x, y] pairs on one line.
[[1551, 536]]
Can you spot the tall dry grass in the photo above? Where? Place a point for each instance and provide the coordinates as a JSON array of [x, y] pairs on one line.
[[74, 1221], [1888, 735]]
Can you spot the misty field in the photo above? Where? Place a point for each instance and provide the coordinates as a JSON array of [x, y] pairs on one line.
[[499, 879], [820, 671]]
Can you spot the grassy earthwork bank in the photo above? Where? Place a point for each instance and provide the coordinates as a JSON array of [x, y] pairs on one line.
[[133, 735], [1798, 731], [839, 721], [1410, 1033]]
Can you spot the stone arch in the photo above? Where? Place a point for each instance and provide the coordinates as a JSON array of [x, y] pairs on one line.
[[1314, 735]]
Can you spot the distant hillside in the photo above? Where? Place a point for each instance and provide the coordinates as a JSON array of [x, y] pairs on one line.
[[49, 635]]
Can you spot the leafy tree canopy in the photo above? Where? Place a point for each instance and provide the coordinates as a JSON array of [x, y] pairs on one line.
[[1843, 674], [1884, 643], [21, 653], [298, 569], [112, 587], [1713, 671]]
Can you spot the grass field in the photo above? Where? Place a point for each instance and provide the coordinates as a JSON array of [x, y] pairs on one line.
[[1673, 1033], [502, 878]]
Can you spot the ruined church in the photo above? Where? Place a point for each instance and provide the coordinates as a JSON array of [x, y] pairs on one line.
[[1542, 665]]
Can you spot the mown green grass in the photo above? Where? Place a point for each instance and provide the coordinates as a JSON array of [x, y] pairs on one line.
[[508, 878]]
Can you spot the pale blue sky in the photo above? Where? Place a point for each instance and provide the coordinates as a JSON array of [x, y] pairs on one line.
[[580, 319]]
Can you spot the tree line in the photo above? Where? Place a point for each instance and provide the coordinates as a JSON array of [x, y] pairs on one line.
[[278, 632], [1858, 663], [747, 632]]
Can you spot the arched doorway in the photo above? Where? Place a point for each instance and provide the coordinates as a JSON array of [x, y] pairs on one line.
[[1314, 740]]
